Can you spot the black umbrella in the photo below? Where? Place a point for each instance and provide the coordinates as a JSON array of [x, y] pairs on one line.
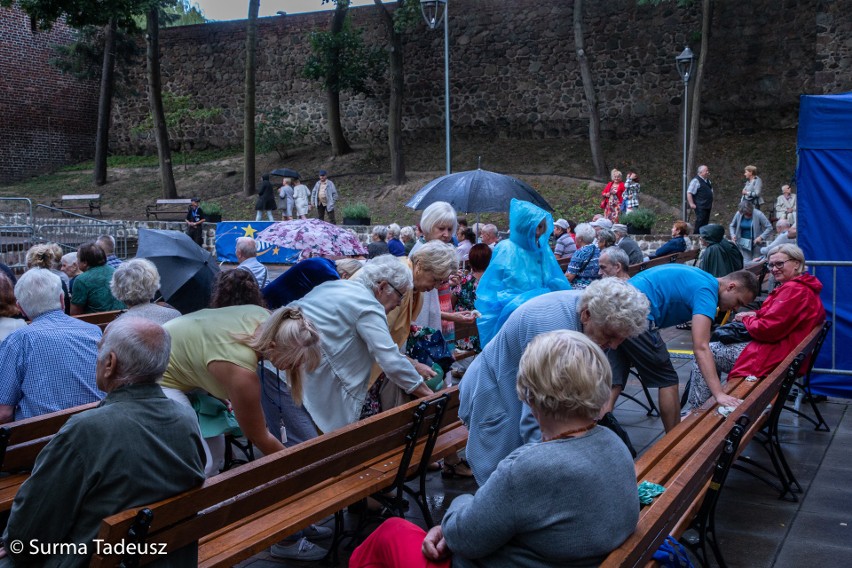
[[186, 270], [285, 172], [476, 191]]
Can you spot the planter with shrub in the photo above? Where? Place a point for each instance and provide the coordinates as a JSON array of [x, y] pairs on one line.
[[356, 214], [639, 221]]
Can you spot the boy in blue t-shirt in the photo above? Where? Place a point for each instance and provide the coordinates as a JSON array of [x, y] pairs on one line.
[[677, 294]]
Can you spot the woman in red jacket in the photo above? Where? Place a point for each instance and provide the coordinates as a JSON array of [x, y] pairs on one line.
[[612, 196], [788, 315]]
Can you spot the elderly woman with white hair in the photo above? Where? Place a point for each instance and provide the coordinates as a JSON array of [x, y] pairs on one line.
[[568, 500], [408, 238], [135, 283], [355, 334], [583, 268], [395, 246]]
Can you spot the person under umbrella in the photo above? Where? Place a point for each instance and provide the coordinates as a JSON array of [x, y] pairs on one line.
[[265, 200]]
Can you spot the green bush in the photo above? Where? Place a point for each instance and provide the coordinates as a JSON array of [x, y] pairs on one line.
[[274, 133], [356, 210], [639, 218], [211, 207]]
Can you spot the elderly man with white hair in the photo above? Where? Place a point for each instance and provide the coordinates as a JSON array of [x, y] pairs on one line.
[[137, 447], [48, 365], [488, 235], [608, 311], [626, 243], [246, 251], [785, 235]]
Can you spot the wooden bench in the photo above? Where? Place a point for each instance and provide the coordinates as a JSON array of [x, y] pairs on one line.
[[167, 207], [694, 458], [241, 512], [20, 443], [70, 202], [100, 319], [633, 269]]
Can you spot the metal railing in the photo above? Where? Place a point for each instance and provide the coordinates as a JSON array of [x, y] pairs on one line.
[[16, 231], [75, 229], [833, 265]]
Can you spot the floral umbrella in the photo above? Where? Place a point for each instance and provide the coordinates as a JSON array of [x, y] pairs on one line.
[[313, 238]]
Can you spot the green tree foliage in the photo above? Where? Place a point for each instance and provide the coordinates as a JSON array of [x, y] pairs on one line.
[[275, 133], [83, 58], [180, 110], [343, 62]]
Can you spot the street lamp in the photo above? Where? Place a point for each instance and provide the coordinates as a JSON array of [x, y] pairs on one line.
[[684, 68], [433, 12]]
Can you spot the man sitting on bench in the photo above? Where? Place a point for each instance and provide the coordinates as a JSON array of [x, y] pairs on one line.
[[678, 293], [136, 448]]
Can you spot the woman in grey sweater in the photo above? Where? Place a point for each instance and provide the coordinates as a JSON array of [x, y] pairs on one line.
[[566, 501]]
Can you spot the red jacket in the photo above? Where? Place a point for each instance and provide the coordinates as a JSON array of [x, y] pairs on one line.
[[787, 316], [619, 191]]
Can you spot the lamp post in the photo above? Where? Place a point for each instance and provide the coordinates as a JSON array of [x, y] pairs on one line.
[[433, 12], [684, 68]]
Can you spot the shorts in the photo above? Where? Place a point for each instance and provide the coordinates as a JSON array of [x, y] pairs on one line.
[[648, 354]]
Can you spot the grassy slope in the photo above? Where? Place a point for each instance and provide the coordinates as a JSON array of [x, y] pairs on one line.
[[558, 169]]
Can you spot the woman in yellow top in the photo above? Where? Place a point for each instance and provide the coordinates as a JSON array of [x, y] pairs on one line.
[[217, 351]]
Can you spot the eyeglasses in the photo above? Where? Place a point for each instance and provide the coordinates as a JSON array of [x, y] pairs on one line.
[[395, 290], [779, 265]]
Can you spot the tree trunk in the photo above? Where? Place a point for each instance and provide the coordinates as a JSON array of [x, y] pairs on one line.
[[105, 105], [591, 100], [249, 110], [155, 100], [339, 145], [397, 83], [695, 118]]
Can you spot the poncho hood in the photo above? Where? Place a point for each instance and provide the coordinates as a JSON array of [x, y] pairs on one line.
[[524, 217]]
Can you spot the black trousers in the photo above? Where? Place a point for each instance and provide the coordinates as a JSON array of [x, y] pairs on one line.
[[702, 217], [321, 211]]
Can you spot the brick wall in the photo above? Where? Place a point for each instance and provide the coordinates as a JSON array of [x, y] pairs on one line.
[[46, 118]]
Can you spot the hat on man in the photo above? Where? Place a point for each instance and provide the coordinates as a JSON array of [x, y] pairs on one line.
[[562, 224], [323, 173], [602, 223], [619, 228], [195, 199]]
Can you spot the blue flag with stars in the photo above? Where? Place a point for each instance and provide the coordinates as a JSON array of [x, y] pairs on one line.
[[227, 234]]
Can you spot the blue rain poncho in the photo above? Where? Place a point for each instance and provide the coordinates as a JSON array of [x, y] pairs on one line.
[[521, 268]]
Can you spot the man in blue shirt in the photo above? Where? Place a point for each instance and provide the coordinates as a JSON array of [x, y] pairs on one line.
[[246, 251], [677, 294], [48, 365]]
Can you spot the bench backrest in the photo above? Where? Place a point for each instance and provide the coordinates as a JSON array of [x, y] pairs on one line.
[[89, 196], [100, 319], [633, 269], [22, 440], [680, 257], [174, 201], [237, 493]]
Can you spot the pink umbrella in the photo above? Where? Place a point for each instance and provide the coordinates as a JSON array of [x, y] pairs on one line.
[[313, 238]]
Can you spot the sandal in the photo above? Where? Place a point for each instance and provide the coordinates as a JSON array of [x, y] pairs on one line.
[[461, 470]]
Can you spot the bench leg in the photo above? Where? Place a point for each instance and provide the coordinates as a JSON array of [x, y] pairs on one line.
[[820, 425], [650, 407]]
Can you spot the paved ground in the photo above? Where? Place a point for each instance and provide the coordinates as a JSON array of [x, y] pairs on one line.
[[755, 528]]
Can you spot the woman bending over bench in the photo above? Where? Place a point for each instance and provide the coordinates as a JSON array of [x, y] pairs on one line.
[[787, 316], [570, 499], [217, 352]]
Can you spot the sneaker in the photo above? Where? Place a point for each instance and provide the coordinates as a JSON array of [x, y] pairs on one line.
[[317, 532], [302, 549]]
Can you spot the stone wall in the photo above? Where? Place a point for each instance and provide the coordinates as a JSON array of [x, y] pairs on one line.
[[513, 75], [47, 119], [514, 71]]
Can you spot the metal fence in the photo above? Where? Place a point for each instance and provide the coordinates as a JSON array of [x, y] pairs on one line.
[[22, 226], [826, 271]]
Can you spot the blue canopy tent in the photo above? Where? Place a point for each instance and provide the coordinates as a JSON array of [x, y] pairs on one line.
[[824, 176]]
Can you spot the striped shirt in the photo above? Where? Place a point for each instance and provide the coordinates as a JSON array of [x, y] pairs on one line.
[[49, 365], [497, 421]]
